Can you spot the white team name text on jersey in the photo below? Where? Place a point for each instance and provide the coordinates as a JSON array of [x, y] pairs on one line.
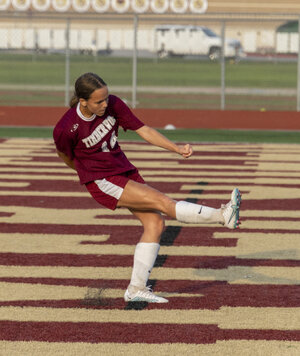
[[99, 132]]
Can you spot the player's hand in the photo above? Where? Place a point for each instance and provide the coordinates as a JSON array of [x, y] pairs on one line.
[[186, 151]]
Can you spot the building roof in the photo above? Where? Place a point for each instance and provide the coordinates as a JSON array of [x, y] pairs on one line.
[[290, 26]]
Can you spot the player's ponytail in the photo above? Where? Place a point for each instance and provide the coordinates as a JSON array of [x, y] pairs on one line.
[[85, 85], [74, 101]]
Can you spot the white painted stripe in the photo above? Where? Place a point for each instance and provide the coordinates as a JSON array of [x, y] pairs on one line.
[[224, 318], [223, 347], [109, 188]]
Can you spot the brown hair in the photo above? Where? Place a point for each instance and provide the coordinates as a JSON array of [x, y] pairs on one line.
[[85, 85]]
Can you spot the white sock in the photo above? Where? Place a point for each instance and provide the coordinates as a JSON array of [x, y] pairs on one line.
[[197, 214], [144, 258]]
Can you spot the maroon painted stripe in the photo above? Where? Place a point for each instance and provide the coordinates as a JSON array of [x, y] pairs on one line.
[[130, 332], [130, 234], [107, 332], [265, 218], [221, 262], [211, 262], [19, 259], [50, 202], [6, 215], [195, 236], [223, 154], [88, 202], [271, 204], [238, 334]]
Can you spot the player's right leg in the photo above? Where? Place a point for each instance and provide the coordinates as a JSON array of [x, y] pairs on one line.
[[145, 254]]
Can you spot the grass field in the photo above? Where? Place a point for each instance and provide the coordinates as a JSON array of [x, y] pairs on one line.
[[29, 70], [179, 135], [49, 69]]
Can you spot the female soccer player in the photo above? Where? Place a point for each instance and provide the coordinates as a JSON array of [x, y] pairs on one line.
[[86, 140]]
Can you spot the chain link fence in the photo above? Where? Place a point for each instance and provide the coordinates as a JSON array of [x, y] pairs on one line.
[[180, 62]]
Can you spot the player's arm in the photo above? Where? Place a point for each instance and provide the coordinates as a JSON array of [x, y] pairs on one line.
[[157, 139], [66, 159]]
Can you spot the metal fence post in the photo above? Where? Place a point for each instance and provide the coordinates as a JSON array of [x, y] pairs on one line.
[[67, 64], [134, 61], [298, 71], [223, 67]]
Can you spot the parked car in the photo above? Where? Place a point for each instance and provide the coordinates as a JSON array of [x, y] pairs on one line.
[[193, 40]]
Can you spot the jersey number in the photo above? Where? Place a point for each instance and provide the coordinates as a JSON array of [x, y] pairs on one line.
[[112, 143]]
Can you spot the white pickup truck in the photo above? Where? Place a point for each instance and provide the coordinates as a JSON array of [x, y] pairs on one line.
[[193, 40]]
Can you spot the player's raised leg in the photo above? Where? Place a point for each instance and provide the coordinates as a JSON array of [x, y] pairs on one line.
[[143, 197]]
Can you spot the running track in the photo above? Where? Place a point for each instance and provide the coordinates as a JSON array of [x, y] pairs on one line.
[[65, 261]]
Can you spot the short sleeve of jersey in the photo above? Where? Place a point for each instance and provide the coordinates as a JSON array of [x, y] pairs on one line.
[[125, 116], [63, 141]]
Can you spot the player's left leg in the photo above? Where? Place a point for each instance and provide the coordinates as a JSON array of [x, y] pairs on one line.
[[143, 197], [144, 258], [139, 196]]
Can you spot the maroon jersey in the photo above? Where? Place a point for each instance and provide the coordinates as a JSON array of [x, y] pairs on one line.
[[92, 142]]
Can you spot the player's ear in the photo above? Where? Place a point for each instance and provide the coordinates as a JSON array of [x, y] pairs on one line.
[[83, 102]]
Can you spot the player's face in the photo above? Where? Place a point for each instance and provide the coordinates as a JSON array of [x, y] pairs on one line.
[[96, 104]]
